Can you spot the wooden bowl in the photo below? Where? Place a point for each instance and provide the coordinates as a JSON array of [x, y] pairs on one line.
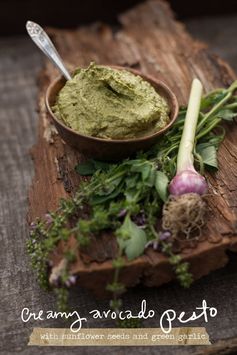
[[110, 149]]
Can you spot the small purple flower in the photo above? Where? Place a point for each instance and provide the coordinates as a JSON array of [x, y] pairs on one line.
[[67, 283], [33, 226], [154, 244], [48, 219], [165, 235], [72, 279], [122, 213]]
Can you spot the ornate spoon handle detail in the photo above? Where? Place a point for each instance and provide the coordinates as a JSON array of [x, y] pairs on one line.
[[42, 40]]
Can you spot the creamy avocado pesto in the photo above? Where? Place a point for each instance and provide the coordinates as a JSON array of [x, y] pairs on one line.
[[109, 103]]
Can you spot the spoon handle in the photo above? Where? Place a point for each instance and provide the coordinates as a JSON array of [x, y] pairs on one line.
[[42, 40]]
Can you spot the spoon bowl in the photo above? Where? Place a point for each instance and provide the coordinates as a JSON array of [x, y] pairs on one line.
[[110, 149]]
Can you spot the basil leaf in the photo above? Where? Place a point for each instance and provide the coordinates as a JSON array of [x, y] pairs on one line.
[[150, 181], [111, 190], [101, 165], [161, 185], [91, 166], [143, 168], [208, 154], [85, 169], [131, 239], [131, 181], [102, 198]]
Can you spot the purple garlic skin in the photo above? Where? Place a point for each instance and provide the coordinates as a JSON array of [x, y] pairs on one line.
[[188, 181]]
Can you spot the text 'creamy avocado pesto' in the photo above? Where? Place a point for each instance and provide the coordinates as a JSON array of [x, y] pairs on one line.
[[109, 103]]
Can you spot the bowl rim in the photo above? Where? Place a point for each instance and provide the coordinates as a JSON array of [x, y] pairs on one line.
[[149, 78]]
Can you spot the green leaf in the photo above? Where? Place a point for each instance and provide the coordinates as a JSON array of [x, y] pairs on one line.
[[146, 172], [208, 154], [130, 195], [109, 186], [131, 239], [161, 185], [101, 165], [212, 98], [91, 166], [131, 181], [142, 167], [227, 114], [101, 198], [150, 181], [85, 169]]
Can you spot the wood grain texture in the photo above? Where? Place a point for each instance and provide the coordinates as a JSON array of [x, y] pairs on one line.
[[151, 40], [20, 62]]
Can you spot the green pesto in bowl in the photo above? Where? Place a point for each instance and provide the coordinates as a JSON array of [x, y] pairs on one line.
[[110, 103]]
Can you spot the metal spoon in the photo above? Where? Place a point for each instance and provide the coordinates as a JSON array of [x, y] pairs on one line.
[[42, 40]]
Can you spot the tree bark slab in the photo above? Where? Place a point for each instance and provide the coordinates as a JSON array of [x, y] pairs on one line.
[[151, 40]]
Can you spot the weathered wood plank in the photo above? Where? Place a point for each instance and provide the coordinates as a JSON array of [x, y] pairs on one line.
[[150, 39]]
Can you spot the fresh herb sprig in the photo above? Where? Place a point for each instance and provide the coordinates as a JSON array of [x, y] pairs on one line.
[[127, 197]]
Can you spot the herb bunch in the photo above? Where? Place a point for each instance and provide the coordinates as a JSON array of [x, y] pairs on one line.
[[126, 198]]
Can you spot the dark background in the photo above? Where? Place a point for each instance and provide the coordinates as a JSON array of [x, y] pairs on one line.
[[71, 13]]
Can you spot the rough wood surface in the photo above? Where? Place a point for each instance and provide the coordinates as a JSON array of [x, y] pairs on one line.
[[149, 39], [20, 62]]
